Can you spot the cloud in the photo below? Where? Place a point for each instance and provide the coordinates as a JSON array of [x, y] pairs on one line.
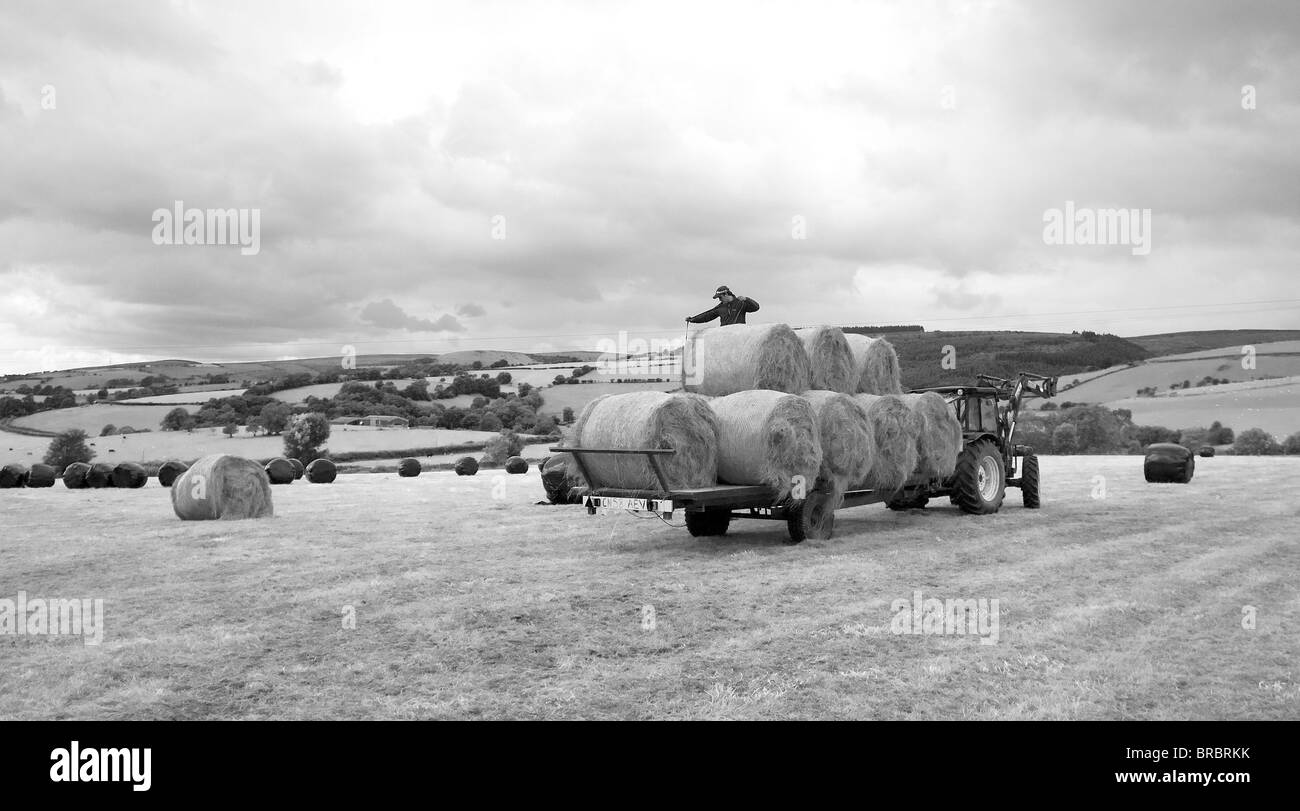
[[387, 314], [470, 310]]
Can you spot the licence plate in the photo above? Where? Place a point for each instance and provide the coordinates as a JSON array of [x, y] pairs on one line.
[[617, 503]]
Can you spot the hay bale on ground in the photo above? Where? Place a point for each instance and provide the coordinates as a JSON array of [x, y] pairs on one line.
[[280, 471], [740, 357], [896, 429], [466, 466], [168, 471], [299, 469], [41, 476], [516, 465], [100, 475], [830, 359], [939, 440], [321, 471], [649, 419], [74, 476], [876, 363], [222, 487], [408, 468], [560, 479], [767, 437], [13, 475], [1168, 463], [129, 475], [848, 443]]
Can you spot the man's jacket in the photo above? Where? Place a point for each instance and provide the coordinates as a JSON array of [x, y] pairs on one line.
[[730, 313]]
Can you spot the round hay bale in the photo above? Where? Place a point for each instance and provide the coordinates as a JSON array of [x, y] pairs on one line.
[[847, 441], [100, 475], [939, 440], [408, 468], [876, 363], [13, 475], [168, 471], [896, 428], [649, 419], [129, 475], [740, 357], [767, 437], [74, 476], [466, 466], [222, 487], [280, 471], [830, 358], [321, 471], [516, 465], [1168, 463], [299, 469], [41, 476]]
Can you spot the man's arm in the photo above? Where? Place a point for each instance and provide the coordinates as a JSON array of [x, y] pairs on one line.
[[751, 306], [705, 317]]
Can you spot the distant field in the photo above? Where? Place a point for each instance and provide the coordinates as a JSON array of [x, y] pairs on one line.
[[470, 601], [91, 418], [1273, 406], [192, 397], [557, 398]]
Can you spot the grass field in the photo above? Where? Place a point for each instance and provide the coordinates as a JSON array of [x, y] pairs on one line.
[[1268, 404], [470, 601]]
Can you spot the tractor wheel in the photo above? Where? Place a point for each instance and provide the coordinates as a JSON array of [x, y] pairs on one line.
[[811, 518], [980, 482], [905, 503], [703, 524], [1029, 481]]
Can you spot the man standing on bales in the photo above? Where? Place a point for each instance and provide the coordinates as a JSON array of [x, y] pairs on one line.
[[731, 308]]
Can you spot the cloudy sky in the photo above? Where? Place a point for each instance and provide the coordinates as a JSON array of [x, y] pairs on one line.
[[537, 176]]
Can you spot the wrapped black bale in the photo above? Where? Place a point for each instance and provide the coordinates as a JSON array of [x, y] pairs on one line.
[[561, 481], [1167, 463], [13, 475], [222, 488], [466, 466], [299, 469], [129, 476], [516, 465], [280, 471], [41, 476], [100, 475], [74, 476], [321, 471], [409, 468], [168, 471]]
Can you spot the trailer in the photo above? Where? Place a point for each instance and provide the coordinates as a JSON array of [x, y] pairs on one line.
[[988, 463]]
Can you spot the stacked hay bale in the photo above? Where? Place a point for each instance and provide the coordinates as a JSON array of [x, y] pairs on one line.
[[767, 437], [168, 471], [466, 466], [41, 476], [896, 430], [876, 363], [129, 475], [650, 419], [516, 465], [408, 468], [831, 361], [280, 471], [939, 439], [321, 471], [100, 475], [847, 440], [740, 357], [222, 487], [13, 475], [74, 476]]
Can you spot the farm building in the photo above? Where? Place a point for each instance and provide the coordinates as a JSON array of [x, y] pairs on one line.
[[373, 421]]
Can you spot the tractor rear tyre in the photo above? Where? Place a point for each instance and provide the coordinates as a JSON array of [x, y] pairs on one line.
[[980, 482], [704, 524], [811, 518], [1029, 481]]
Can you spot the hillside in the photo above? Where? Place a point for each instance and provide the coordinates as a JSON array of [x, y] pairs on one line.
[[1172, 343], [920, 354]]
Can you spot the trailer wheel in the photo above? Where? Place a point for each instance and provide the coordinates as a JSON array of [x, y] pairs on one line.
[[1029, 481], [980, 482], [702, 524], [811, 518]]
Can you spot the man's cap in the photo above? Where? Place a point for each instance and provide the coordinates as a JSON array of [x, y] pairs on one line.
[[723, 290]]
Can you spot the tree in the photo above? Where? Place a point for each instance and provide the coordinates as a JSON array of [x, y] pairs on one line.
[[1255, 442], [504, 378], [501, 447], [254, 425], [489, 422], [546, 425], [275, 417], [1065, 439], [1219, 434], [560, 380], [304, 436], [1193, 439], [230, 430], [178, 419], [417, 390], [523, 389], [66, 448], [102, 394], [567, 415], [108, 429], [1291, 445]]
